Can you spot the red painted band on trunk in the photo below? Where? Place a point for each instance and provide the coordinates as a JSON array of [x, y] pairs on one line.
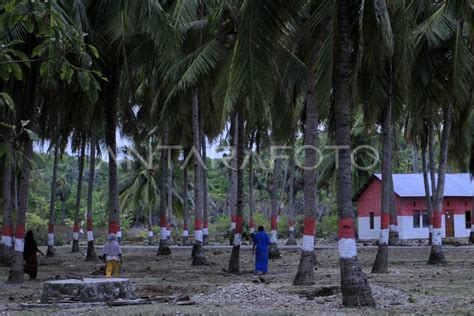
[[50, 228], [291, 223], [430, 220], [436, 219], [20, 232], [90, 225], [185, 226], [393, 220], [168, 226], [197, 224], [75, 228], [206, 224], [252, 223], [274, 223], [232, 218], [309, 224], [346, 228], [113, 227], [384, 221], [7, 230], [163, 221], [239, 224]]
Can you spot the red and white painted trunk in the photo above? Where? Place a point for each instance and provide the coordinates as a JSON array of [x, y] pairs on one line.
[[20, 238], [90, 230], [198, 231], [163, 227], [291, 226], [75, 232], [384, 229], [113, 227], [205, 229], [308, 234], [252, 225], [185, 230], [168, 230], [232, 222], [7, 233], [346, 234], [437, 228], [51, 235], [239, 228], [274, 227]]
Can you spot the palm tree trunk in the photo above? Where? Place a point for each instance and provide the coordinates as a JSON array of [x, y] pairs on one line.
[[150, 226], [198, 255], [205, 229], [110, 111], [428, 193], [251, 201], [233, 180], [75, 231], [305, 275], [393, 235], [437, 255], [170, 203], [16, 270], [91, 255], [234, 263], [431, 162], [63, 211], [52, 205], [291, 202], [185, 206], [6, 247], [381, 260], [273, 251], [414, 153], [164, 249], [354, 285]]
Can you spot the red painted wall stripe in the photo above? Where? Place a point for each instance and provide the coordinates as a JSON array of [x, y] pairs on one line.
[[346, 228], [274, 223], [309, 226]]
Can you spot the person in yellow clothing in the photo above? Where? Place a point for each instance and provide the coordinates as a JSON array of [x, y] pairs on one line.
[[112, 257]]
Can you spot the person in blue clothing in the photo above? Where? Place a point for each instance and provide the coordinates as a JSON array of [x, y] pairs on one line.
[[261, 242]]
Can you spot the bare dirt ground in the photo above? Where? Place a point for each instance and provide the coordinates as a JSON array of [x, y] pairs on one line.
[[411, 286]]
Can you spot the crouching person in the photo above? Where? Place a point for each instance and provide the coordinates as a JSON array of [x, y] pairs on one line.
[[112, 257]]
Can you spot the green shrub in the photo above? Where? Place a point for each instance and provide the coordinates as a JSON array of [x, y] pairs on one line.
[[327, 226]]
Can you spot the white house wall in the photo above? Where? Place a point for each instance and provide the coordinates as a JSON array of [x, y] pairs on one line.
[[365, 233], [406, 229], [460, 229]]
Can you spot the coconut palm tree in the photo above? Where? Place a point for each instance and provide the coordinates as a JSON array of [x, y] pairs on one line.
[[354, 284]]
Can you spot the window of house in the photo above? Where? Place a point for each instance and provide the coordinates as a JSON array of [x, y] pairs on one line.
[[372, 223], [468, 219], [424, 219], [416, 219]]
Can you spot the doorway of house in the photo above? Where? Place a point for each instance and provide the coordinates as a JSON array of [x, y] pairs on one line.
[[449, 220]]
